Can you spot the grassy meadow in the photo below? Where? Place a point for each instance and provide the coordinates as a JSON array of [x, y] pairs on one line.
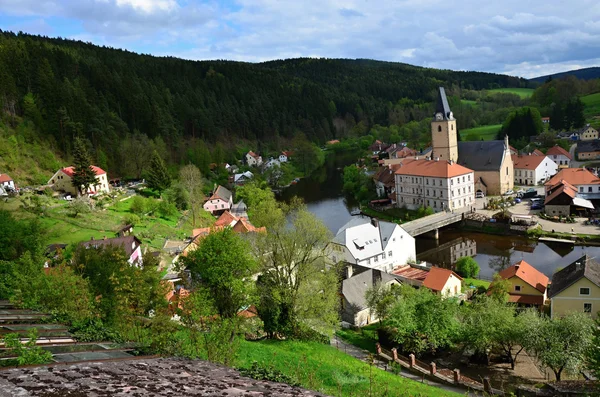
[[486, 132], [592, 105], [522, 92]]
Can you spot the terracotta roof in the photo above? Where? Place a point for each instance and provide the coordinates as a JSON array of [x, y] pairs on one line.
[[406, 152], [574, 176], [251, 153], [529, 162], [5, 178], [411, 273], [438, 277], [333, 142], [526, 299], [432, 168], [561, 187], [386, 175], [559, 150], [226, 219], [538, 152], [287, 153], [69, 170], [244, 226], [527, 273]]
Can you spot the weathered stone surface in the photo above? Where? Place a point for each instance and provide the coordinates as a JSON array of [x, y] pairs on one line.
[[147, 377]]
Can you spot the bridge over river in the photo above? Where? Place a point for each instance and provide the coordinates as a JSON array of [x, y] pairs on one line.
[[432, 223]]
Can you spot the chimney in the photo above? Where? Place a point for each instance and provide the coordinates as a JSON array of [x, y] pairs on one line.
[[437, 159], [374, 222], [417, 157], [349, 271], [506, 145]]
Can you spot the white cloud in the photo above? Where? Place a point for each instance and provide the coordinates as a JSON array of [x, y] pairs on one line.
[[149, 6]]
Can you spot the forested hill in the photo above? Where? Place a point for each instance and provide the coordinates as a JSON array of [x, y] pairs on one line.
[[581, 74], [72, 88]]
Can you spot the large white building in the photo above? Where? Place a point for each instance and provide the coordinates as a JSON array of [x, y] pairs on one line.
[[373, 244], [533, 170], [62, 181], [437, 184], [560, 156]]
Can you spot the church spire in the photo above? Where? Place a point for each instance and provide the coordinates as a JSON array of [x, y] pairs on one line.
[[442, 109]]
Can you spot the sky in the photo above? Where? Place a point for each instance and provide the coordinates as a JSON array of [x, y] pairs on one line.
[[522, 38]]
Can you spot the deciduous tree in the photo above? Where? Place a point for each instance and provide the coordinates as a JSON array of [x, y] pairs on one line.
[[467, 267], [191, 180]]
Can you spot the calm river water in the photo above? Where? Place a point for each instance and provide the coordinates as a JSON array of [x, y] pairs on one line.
[[323, 195]]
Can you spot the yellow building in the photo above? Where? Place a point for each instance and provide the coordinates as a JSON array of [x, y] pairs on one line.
[[588, 133], [528, 285], [576, 288], [62, 181]]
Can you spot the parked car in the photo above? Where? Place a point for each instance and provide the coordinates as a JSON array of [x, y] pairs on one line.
[[531, 192], [517, 200], [538, 205], [508, 193], [479, 195]]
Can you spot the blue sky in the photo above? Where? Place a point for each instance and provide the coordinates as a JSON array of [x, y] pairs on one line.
[[524, 38]]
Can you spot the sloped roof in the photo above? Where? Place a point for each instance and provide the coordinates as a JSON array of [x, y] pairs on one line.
[[561, 187], [527, 273], [431, 168], [129, 243], [226, 219], [247, 175], [441, 105], [70, 170], [574, 176], [528, 162], [557, 150], [588, 146], [354, 288], [244, 226], [412, 273], [386, 175], [538, 152], [438, 277], [5, 178], [526, 299], [585, 266], [221, 193], [251, 153], [481, 155]]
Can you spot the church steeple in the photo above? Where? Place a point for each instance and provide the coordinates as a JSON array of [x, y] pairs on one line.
[[443, 130]]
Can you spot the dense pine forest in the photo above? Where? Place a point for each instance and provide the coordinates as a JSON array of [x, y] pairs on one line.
[[124, 103]]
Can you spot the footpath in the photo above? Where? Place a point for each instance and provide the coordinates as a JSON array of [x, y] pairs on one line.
[[366, 356]]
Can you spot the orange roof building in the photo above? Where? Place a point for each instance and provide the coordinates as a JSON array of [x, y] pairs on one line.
[[580, 178], [443, 281], [534, 168], [439, 185], [560, 156], [62, 181], [528, 286]]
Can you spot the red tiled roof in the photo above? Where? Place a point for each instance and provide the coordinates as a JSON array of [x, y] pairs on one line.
[[526, 299], [538, 152], [5, 178], [574, 176], [432, 168], [561, 187], [530, 162], [333, 142], [438, 277], [226, 219], [69, 170], [244, 226], [559, 150], [411, 273], [527, 273]]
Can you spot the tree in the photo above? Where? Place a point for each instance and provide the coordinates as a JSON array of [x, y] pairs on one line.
[[561, 343], [522, 123], [467, 267], [223, 264], [422, 321], [593, 353], [500, 288], [84, 175], [191, 180], [158, 175], [380, 299], [307, 155]]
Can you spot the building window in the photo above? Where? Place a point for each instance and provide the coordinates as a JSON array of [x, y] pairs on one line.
[[376, 259], [463, 179], [383, 255], [390, 254], [587, 307], [427, 181], [440, 182], [506, 170], [439, 128], [452, 181], [589, 189], [580, 189], [584, 291], [517, 288]]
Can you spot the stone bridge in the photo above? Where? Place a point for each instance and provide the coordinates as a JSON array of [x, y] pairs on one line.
[[432, 223]]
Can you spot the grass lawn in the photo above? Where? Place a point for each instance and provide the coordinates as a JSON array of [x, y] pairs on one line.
[[522, 92], [323, 368], [476, 282], [468, 102], [364, 337], [592, 105], [486, 132]]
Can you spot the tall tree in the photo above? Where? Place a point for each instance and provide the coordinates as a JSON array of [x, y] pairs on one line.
[[84, 175], [158, 175], [191, 180]]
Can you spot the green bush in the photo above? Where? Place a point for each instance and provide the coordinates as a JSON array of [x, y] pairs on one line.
[[138, 205], [131, 219], [94, 330], [467, 267], [260, 371], [27, 353], [166, 209]]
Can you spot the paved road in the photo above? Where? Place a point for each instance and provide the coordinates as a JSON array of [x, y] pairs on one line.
[[363, 355]]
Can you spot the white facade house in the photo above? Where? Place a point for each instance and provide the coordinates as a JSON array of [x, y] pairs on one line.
[[439, 185], [272, 163], [284, 157], [220, 201], [62, 181], [240, 179], [253, 159], [560, 156], [586, 183], [533, 170], [7, 182], [373, 244]]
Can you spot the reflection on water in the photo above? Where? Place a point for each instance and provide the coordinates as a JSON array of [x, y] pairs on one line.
[[495, 253], [322, 191]]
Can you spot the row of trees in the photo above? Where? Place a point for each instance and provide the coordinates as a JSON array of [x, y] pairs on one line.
[[424, 322]]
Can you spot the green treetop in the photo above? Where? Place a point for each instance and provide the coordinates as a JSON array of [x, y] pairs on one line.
[[83, 173], [158, 175]]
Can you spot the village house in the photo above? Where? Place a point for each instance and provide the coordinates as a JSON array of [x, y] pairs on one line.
[[588, 150], [546, 120], [378, 147], [533, 169], [490, 160], [130, 244], [373, 244], [560, 156], [586, 183], [562, 200], [576, 288], [221, 200], [62, 181], [272, 163], [385, 181], [528, 286], [285, 156], [241, 179], [354, 309], [7, 182], [587, 133], [253, 159], [438, 280], [438, 184]]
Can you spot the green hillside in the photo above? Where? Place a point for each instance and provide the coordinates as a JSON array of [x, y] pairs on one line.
[[522, 92], [486, 133], [591, 105]]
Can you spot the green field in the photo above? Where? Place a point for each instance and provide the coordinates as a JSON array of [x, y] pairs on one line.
[[323, 368], [592, 105], [486, 132], [522, 92], [468, 102], [476, 282]]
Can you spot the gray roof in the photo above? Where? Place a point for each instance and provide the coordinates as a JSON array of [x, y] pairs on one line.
[[588, 146], [442, 106], [129, 243], [385, 230], [481, 155], [222, 193], [585, 266], [354, 288]]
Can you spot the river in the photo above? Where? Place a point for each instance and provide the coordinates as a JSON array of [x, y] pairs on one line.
[[323, 195]]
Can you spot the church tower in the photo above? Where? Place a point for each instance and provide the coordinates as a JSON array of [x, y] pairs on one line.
[[443, 130]]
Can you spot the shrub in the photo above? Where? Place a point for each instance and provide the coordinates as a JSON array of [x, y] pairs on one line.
[[260, 371], [131, 219], [80, 205], [467, 267], [166, 209], [27, 353], [94, 330], [138, 205]]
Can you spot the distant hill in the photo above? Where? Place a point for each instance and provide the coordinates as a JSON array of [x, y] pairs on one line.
[[582, 74]]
